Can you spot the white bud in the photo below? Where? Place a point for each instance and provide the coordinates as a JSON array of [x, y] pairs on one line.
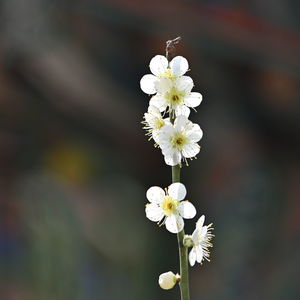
[[167, 280]]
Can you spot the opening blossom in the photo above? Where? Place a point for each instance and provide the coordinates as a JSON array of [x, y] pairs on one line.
[[179, 141], [154, 122], [168, 207], [201, 239]]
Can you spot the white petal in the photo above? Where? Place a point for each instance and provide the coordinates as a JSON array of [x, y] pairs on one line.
[[148, 83], [173, 159], [150, 119], [195, 133], [154, 212], [192, 257], [167, 132], [203, 231], [177, 191], [155, 194], [164, 85], [174, 223], [153, 110], [167, 121], [190, 150], [179, 65], [158, 65], [165, 135], [193, 99], [187, 210], [182, 110], [189, 127], [166, 148], [155, 135], [200, 222], [199, 254], [196, 236], [184, 84], [159, 101], [181, 122]]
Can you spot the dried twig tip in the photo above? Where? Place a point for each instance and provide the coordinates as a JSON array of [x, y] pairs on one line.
[[173, 42], [170, 47]]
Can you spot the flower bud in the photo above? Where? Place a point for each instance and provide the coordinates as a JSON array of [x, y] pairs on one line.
[[188, 241], [167, 280]]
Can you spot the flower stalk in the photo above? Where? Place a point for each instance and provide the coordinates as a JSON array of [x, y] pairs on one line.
[[183, 251]]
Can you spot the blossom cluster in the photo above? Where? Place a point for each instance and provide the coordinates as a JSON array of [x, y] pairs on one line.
[[168, 207], [167, 123], [166, 120]]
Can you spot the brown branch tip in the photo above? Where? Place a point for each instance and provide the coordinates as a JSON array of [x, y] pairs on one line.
[[171, 47]]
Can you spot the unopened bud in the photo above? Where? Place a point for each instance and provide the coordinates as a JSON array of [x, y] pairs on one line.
[[168, 280], [188, 241]]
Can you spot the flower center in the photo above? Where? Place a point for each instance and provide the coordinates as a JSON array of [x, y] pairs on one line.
[[169, 205], [179, 140], [159, 123], [168, 73], [175, 97]]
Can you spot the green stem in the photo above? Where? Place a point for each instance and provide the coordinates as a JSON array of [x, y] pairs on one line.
[[183, 251]]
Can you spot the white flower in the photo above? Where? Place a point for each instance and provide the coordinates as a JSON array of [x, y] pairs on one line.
[[169, 207], [168, 280], [179, 141], [176, 95], [161, 68], [201, 238], [154, 122]]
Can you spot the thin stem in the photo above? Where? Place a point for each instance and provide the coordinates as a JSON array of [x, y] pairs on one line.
[[176, 174], [183, 251]]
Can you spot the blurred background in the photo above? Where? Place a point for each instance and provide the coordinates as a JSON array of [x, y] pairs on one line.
[[75, 164]]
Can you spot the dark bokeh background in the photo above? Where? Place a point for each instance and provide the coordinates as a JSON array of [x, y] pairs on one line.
[[75, 164]]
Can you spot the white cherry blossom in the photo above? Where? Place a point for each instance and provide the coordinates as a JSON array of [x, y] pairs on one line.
[[176, 95], [167, 206], [201, 238], [179, 141], [161, 68]]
